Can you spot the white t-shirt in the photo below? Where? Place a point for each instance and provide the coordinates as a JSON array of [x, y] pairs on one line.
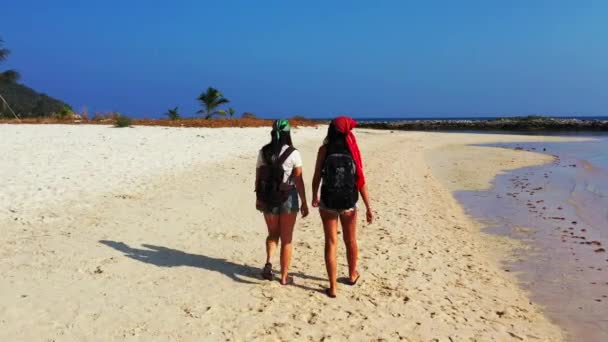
[[294, 160]]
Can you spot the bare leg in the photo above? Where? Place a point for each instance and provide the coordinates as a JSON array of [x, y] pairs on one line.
[[274, 231], [286, 222], [330, 226], [349, 228]]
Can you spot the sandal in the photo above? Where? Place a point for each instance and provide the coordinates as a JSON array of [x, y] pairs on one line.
[[267, 272], [354, 282]]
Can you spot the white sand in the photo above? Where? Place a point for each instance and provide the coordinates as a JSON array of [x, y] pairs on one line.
[[151, 234], [47, 164]]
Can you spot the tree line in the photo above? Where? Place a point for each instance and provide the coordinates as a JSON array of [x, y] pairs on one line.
[[28, 103], [211, 100]]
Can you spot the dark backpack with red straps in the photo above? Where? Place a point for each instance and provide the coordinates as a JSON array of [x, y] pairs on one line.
[[270, 189]]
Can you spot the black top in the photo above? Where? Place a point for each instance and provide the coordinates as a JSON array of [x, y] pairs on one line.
[[336, 148]]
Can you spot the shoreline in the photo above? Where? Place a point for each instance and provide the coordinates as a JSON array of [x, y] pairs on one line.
[[160, 250], [561, 263], [532, 124]]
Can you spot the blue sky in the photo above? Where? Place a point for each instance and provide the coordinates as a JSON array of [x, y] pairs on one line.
[[316, 58]]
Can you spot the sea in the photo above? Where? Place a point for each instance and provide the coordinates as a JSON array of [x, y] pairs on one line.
[[481, 118], [559, 213]]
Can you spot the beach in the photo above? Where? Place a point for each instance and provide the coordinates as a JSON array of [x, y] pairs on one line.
[[560, 213], [151, 233]]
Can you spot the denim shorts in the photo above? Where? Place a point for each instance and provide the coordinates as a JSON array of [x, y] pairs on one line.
[[291, 205]]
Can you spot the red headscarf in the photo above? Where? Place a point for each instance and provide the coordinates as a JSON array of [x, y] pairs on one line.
[[345, 125]]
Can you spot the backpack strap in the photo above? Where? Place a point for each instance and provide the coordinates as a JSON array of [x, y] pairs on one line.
[[285, 155]]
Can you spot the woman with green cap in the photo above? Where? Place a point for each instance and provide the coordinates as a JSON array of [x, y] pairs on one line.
[[278, 183]]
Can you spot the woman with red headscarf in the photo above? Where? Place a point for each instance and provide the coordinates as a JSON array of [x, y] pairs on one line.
[[340, 170]]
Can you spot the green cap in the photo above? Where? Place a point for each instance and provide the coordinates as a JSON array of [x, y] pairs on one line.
[[279, 126]]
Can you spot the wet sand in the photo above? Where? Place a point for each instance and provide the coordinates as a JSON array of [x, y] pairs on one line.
[[563, 227]]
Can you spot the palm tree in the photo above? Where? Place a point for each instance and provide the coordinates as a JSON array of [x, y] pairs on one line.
[[231, 112], [211, 100], [173, 114], [3, 51], [9, 75]]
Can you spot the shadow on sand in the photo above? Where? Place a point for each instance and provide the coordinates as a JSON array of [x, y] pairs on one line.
[[167, 257]]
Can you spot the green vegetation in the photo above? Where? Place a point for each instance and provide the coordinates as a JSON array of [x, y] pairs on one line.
[[122, 121], [173, 114], [211, 100], [248, 115], [28, 103], [9, 76], [65, 112], [23, 100]]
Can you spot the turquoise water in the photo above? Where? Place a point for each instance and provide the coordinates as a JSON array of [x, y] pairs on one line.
[[594, 151], [560, 213], [584, 186]]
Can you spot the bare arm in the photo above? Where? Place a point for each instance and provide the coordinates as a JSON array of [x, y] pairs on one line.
[[316, 179], [299, 180], [365, 196]]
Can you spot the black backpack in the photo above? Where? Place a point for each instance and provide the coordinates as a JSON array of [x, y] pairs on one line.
[[339, 187], [271, 190]]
